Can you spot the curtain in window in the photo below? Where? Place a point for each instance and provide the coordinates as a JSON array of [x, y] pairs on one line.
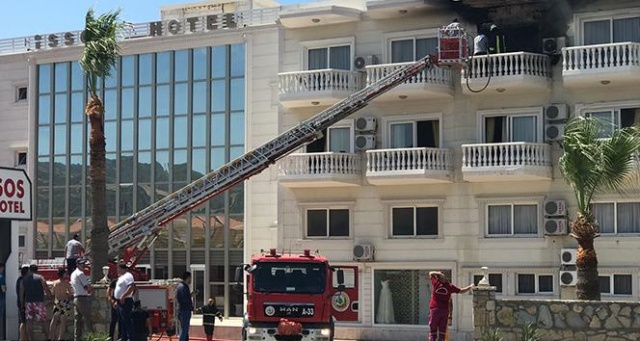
[[499, 219], [622, 285], [627, 29], [401, 135], [427, 134], [496, 129], [436, 133], [402, 51], [318, 59], [340, 57], [340, 140], [526, 284], [597, 32], [523, 129], [525, 219], [628, 217], [425, 46], [603, 213], [629, 117]]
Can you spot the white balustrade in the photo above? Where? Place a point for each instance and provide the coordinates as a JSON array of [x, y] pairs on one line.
[[603, 56], [328, 163], [506, 154], [320, 80], [508, 64], [408, 159], [434, 75]]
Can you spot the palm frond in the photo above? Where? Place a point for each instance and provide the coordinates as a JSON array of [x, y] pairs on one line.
[[101, 48]]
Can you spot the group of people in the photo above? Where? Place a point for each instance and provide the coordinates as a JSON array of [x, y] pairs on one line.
[[490, 40], [184, 298]]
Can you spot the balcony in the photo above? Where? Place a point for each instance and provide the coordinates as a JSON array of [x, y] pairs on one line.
[[431, 83], [409, 166], [512, 161], [327, 169], [509, 73], [318, 87], [597, 65]]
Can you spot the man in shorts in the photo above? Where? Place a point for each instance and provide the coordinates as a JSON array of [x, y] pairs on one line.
[[24, 271], [62, 305], [32, 292]]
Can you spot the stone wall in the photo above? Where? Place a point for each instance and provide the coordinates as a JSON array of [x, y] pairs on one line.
[[555, 319]]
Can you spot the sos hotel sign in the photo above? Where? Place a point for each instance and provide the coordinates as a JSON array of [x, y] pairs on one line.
[[15, 194], [151, 29]]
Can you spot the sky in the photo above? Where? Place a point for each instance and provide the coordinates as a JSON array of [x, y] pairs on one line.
[[22, 18]]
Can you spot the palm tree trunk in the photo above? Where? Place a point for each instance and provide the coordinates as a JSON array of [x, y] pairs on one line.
[[585, 232], [99, 229]]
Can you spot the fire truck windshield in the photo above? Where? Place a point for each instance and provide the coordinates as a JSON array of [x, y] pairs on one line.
[[301, 278]]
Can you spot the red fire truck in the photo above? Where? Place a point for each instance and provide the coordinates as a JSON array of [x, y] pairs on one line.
[[293, 297]]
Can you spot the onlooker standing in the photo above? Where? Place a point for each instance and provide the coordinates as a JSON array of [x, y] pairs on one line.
[[62, 305], [32, 291], [113, 303], [3, 300], [124, 294], [73, 251], [185, 305], [439, 304], [141, 322], [481, 43], [82, 300], [209, 313], [22, 328]]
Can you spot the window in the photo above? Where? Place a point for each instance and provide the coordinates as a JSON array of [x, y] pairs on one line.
[[412, 49], [21, 159], [330, 57], [611, 30], [534, 284], [414, 134], [21, 241], [512, 219], [617, 217], [328, 222], [616, 284], [414, 221], [495, 280], [511, 128], [618, 117], [21, 94], [337, 139]]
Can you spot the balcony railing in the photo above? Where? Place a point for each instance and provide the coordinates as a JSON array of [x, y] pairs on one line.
[[328, 163], [434, 75], [320, 80], [603, 56], [505, 154], [409, 159], [508, 64]]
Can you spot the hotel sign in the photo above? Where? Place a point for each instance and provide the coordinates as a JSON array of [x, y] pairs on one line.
[[152, 29], [15, 194]]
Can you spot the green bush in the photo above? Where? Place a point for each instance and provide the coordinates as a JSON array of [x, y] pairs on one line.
[[96, 336], [530, 332], [492, 335]]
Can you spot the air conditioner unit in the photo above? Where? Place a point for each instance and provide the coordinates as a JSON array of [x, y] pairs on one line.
[[568, 278], [365, 142], [366, 124], [553, 45], [555, 208], [553, 132], [556, 227], [568, 256], [363, 252], [361, 62], [555, 112]]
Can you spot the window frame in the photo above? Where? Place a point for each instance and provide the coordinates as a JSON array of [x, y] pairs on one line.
[[615, 108], [512, 204], [388, 38], [415, 235], [612, 288], [326, 43], [615, 216], [387, 121], [537, 112], [19, 87], [334, 206], [554, 284], [581, 18], [391, 204], [18, 161]]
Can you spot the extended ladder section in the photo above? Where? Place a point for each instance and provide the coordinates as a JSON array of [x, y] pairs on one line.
[[142, 228]]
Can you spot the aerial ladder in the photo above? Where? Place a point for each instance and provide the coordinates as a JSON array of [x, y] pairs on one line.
[[135, 234]]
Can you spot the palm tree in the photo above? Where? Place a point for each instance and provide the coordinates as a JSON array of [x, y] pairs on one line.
[[591, 164], [100, 54]]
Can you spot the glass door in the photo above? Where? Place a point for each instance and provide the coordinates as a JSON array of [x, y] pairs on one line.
[[198, 284]]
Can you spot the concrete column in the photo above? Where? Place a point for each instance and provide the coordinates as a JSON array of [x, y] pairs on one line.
[[484, 310]]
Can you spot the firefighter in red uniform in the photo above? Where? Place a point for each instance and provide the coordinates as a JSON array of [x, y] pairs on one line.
[[439, 304]]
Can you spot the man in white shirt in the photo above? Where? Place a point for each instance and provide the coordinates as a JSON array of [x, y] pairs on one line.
[[82, 299], [125, 288], [73, 251]]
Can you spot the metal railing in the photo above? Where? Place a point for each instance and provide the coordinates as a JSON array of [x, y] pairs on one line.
[[327, 163], [603, 56], [408, 159], [508, 64], [320, 80], [434, 75], [506, 154]]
